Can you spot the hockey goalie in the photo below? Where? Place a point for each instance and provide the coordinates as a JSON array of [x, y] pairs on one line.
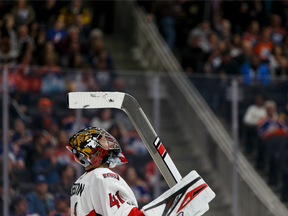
[[101, 192]]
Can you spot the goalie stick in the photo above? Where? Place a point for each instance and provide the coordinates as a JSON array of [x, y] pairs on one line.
[[127, 103]]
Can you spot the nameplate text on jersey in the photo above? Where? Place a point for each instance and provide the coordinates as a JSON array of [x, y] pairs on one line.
[[77, 189]]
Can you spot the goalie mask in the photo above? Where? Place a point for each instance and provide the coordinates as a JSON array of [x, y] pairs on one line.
[[95, 146]]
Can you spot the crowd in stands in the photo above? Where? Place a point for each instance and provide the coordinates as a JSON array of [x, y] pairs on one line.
[[244, 38], [247, 39], [266, 139], [43, 43]]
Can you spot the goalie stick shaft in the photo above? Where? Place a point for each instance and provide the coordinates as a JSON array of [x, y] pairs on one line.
[[127, 103], [151, 140]]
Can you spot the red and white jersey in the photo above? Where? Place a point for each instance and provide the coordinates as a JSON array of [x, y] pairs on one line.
[[101, 192]]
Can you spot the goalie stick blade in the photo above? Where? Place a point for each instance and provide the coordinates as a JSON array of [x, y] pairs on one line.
[[93, 100]]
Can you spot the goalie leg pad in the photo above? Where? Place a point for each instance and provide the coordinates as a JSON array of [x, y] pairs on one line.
[[189, 197]]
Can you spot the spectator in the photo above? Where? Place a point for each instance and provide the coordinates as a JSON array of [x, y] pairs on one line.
[[58, 31], [77, 61], [212, 63], [40, 200], [52, 78], [21, 95], [29, 82], [225, 33], [50, 131], [118, 131], [97, 45], [40, 42], [118, 85], [103, 120], [271, 125], [83, 30], [14, 182], [255, 70], [8, 25], [22, 135], [20, 207], [282, 71], [47, 13], [63, 156], [74, 8], [103, 61], [24, 38], [264, 47], [74, 47], [255, 112], [246, 55], [98, 52], [48, 165], [66, 181], [122, 119], [34, 30], [279, 8], [227, 67], [36, 151], [62, 207], [276, 31], [192, 57], [47, 50], [263, 74], [70, 125], [201, 32], [213, 41], [274, 59], [23, 13], [7, 55], [272, 131], [217, 22], [137, 185], [44, 115], [251, 118], [252, 34], [95, 35], [164, 12], [15, 154], [64, 44], [24, 64], [236, 46], [104, 77], [135, 145]]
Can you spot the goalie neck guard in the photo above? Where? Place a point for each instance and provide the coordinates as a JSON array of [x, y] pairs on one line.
[[95, 146]]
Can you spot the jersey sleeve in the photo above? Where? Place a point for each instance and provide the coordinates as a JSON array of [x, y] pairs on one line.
[[110, 197]]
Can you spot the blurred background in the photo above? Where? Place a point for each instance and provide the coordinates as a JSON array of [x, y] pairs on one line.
[[211, 77]]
